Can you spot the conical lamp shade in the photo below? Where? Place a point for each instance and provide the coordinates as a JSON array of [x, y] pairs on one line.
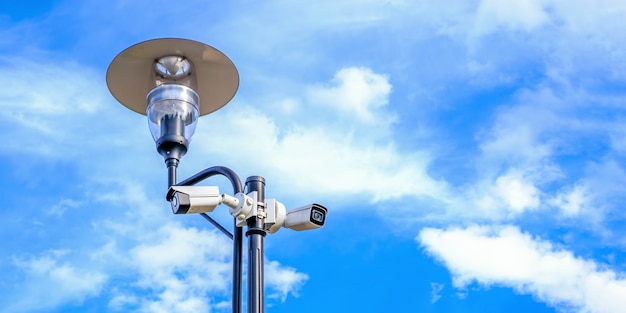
[[129, 76]]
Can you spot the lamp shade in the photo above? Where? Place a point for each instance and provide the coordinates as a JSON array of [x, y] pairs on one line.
[[130, 76]]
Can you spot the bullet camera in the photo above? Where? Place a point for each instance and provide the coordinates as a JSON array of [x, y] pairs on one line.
[[306, 217], [193, 199]]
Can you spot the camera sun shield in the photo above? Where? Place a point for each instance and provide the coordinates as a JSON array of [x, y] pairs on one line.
[[306, 217]]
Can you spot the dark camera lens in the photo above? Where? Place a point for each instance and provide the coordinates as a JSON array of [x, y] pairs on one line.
[[317, 216]]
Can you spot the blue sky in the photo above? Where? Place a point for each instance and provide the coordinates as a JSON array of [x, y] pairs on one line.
[[471, 153]]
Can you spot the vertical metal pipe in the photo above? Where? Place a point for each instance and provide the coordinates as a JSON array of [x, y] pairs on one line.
[[172, 165], [237, 266], [256, 233]]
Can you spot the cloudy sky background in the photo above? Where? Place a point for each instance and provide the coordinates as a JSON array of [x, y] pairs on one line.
[[471, 154]]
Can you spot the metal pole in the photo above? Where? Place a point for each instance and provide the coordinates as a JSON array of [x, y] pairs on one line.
[[237, 266], [172, 165], [256, 233]]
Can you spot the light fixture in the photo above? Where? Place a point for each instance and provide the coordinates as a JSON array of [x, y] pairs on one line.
[[173, 82]]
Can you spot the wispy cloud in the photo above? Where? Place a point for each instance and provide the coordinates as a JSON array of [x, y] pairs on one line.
[[359, 104], [52, 279], [435, 289], [356, 91], [338, 149], [283, 280], [505, 256], [515, 15]]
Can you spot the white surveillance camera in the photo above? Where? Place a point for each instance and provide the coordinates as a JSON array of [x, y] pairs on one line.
[[306, 217], [193, 199]]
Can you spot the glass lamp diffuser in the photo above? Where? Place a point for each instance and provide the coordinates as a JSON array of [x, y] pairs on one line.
[[172, 108], [173, 82]]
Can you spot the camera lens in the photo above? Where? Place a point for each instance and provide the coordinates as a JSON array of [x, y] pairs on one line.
[[317, 216]]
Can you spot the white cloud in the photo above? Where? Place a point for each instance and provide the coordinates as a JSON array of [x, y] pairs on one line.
[[357, 91], [278, 24], [508, 196], [435, 289], [573, 201], [335, 153], [525, 15], [534, 157], [283, 280], [519, 131], [181, 265], [59, 209], [121, 300], [511, 192], [606, 178], [52, 89], [518, 194], [58, 110], [586, 16], [53, 279], [505, 256], [618, 138], [165, 265]]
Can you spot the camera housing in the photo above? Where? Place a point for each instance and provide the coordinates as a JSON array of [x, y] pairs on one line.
[[306, 217], [193, 199]]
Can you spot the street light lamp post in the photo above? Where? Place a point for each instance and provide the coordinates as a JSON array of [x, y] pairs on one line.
[[173, 82], [256, 233]]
